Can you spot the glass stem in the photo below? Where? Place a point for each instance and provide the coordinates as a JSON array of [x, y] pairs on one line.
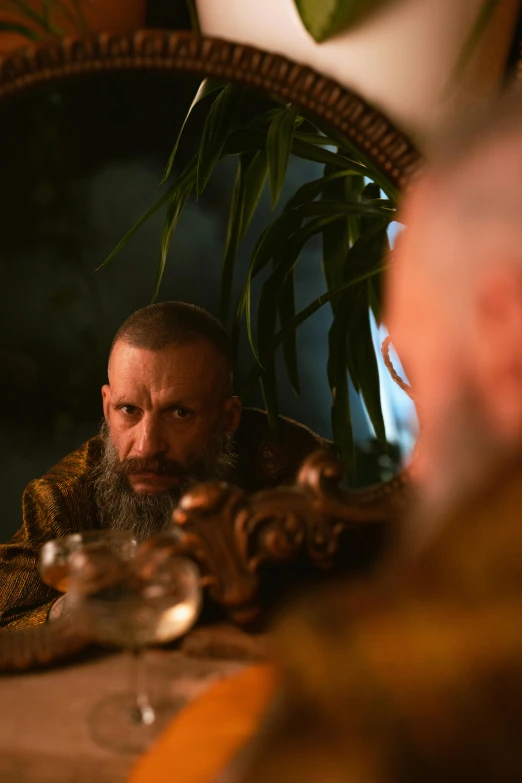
[[143, 711]]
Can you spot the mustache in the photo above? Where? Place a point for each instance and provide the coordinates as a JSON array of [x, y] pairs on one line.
[[120, 508], [159, 465]]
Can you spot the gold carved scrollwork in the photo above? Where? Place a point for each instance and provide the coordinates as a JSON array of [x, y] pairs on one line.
[[230, 534]]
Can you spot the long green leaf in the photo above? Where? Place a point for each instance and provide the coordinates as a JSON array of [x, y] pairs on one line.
[[310, 190], [285, 259], [374, 298], [256, 174], [315, 138], [322, 19], [248, 316], [304, 149], [359, 337], [303, 316], [207, 87], [233, 238], [194, 18], [215, 132], [336, 237], [21, 29], [272, 290], [187, 176], [172, 216], [375, 284], [351, 151], [244, 304], [336, 244], [353, 188], [269, 391], [370, 194], [320, 301], [280, 229], [366, 253], [263, 121], [278, 148], [66, 12], [277, 233], [338, 380], [286, 306], [249, 183], [161, 201], [250, 139], [27, 11]]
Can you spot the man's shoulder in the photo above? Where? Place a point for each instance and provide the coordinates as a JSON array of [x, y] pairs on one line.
[[266, 459], [74, 467], [61, 501]]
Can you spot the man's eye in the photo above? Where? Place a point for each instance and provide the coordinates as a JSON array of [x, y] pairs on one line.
[[129, 410], [181, 413]]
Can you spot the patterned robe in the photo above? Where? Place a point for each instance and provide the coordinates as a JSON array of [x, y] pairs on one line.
[[62, 502], [417, 677]]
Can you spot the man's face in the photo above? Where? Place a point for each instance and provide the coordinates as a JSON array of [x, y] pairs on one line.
[[164, 409]]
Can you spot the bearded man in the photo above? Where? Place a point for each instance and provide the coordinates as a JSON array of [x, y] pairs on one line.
[[171, 420]]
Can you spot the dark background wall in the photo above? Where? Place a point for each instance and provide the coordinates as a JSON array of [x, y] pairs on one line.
[[79, 163]]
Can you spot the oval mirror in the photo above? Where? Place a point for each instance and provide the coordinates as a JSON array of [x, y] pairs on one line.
[[285, 220]]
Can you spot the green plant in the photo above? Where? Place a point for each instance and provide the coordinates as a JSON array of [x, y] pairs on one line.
[[324, 18], [344, 206], [19, 16]]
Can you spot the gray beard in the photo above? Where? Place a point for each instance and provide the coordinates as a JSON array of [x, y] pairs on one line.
[[121, 508]]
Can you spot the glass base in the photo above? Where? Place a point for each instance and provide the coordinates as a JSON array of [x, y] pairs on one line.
[[117, 723]]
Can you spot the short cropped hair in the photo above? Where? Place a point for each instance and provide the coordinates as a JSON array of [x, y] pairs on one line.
[[175, 323]]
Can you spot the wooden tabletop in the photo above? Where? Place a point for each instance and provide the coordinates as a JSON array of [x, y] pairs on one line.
[[44, 733]]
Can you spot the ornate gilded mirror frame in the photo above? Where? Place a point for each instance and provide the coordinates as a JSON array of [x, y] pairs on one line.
[[386, 147], [230, 535]]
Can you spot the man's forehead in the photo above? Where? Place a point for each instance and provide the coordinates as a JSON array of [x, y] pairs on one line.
[[173, 366]]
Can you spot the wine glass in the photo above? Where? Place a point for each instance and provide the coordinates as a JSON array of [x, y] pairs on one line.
[[132, 603], [55, 554]]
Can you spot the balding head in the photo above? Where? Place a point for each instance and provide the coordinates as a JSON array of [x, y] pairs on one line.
[[454, 305], [165, 324]]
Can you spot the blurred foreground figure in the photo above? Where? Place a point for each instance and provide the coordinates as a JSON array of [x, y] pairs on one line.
[[419, 677], [171, 420]]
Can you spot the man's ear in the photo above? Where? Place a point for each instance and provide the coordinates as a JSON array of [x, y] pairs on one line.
[[106, 398], [497, 348], [233, 408]]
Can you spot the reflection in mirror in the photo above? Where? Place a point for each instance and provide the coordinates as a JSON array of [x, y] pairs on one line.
[[81, 162]]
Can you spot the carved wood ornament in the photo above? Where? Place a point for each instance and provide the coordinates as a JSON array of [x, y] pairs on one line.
[[231, 535]]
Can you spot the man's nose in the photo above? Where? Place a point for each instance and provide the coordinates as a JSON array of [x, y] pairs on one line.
[[150, 439]]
